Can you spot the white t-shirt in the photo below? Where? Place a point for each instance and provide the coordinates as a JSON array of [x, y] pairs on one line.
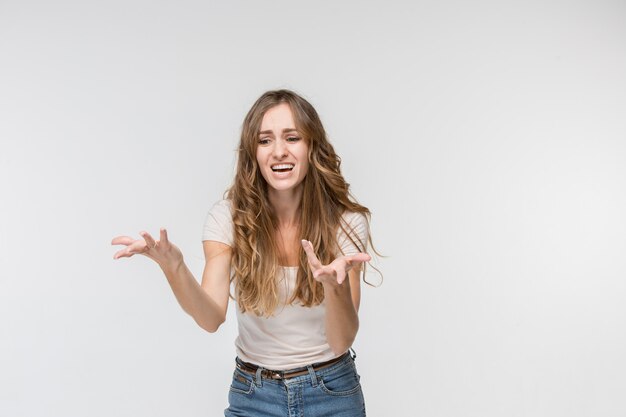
[[294, 335]]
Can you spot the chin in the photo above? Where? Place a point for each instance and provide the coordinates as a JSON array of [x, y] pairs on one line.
[[284, 186]]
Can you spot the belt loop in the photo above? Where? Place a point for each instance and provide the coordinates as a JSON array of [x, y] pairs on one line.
[[257, 378], [352, 354], [312, 375]]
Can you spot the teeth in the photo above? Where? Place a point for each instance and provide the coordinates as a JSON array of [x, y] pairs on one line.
[[283, 166]]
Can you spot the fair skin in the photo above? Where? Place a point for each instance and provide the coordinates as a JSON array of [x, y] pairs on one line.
[[283, 162]]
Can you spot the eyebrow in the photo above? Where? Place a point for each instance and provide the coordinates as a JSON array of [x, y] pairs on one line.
[[266, 132]]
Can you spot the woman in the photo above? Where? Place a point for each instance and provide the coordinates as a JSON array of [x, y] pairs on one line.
[[297, 300]]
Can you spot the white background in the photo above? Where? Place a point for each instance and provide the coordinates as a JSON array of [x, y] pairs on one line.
[[487, 138]]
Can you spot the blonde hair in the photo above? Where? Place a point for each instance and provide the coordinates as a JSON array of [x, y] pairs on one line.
[[256, 254]]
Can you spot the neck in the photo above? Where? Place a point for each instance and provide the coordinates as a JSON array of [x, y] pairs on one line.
[[285, 204]]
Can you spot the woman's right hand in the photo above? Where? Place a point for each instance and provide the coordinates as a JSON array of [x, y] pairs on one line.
[[163, 252]]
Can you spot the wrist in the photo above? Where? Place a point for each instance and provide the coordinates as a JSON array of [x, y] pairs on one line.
[[334, 288], [173, 267]]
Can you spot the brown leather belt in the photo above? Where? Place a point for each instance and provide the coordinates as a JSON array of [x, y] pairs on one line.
[[251, 369]]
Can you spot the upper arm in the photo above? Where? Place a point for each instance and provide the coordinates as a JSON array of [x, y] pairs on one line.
[[353, 241], [352, 236], [216, 275], [355, 286]]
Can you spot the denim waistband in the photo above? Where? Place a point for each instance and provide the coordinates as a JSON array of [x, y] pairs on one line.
[[261, 372], [260, 377]]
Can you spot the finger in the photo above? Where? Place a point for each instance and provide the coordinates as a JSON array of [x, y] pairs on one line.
[[339, 267], [122, 254], [150, 242], [310, 254], [354, 260], [122, 240], [341, 275], [138, 246], [324, 270], [163, 235], [360, 257]]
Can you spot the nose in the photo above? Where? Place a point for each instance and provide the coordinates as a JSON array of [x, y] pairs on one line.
[[280, 149]]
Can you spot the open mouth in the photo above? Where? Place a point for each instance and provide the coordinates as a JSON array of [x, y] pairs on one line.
[[282, 167]]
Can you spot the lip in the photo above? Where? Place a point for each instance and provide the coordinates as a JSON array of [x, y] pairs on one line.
[[281, 175], [283, 163]]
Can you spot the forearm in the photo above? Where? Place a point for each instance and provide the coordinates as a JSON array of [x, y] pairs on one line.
[[193, 298], [342, 320]]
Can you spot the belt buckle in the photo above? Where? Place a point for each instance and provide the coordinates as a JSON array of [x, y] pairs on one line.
[[269, 374]]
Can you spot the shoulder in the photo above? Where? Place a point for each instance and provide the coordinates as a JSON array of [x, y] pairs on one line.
[[354, 218], [353, 232], [218, 224], [221, 210], [222, 206]]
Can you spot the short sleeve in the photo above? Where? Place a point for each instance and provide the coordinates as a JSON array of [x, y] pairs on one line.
[[218, 225], [357, 228]]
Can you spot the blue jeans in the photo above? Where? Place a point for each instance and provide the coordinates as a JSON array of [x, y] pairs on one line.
[[331, 391]]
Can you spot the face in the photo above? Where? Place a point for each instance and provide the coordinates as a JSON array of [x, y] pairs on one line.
[[282, 152]]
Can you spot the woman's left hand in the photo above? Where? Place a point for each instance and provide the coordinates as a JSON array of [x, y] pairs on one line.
[[335, 272]]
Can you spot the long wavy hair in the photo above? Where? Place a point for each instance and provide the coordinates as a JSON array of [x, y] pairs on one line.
[[257, 256]]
